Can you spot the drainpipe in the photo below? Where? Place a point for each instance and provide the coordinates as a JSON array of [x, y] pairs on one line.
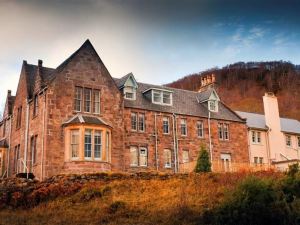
[[155, 134], [43, 136], [9, 146], [175, 142], [26, 136], [209, 137], [249, 148], [268, 147]]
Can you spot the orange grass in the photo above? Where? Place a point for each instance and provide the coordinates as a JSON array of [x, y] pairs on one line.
[[176, 200]]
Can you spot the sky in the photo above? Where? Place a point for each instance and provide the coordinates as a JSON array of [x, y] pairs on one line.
[[159, 41]]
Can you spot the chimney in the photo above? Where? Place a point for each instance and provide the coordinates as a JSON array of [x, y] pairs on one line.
[[208, 81], [40, 63], [9, 93], [276, 138]]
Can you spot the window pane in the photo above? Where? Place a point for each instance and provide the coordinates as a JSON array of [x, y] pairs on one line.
[[157, 96], [185, 156], [133, 156], [168, 158], [258, 137], [143, 157], [166, 125], [74, 143], [88, 144], [98, 144], [78, 99], [96, 101], [200, 129], [226, 131], [166, 98], [133, 121], [212, 105], [141, 122], [220, 131], [107, 142], [183, 127], [288, 140], [87, 99]]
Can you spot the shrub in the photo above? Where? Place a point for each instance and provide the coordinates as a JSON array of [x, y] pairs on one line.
[[203, 163], [254, 201], [293, 169], [116, 206]]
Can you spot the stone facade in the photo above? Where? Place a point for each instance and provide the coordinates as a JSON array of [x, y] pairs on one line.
[[47, 102]]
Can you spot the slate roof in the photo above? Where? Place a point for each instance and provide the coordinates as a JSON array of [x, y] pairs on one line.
[[82, 119], [258, 121], [184, 103]]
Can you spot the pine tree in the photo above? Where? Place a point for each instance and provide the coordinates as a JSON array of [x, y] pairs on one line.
[[203, 162]]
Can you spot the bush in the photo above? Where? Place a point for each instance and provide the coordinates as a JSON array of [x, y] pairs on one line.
[[203, 163], [253, 202], [116, 206]]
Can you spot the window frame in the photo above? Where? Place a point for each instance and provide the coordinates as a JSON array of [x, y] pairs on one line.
[[134, 123], [183, 126], [130, 90], [141, 122], [185, 160], [19, 118], [298, 140], [78, 100], [160, 95], [224, 131], [74, 144], [201, 129], [167, 158], [87, 100], [98, 109], [136, 150], [166, 124], [288, 138], [100, 145], [89, 144], [33, 149], [143, 155]]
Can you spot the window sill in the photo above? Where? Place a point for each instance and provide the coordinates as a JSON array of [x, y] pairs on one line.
[[167, 134], [256, 143]]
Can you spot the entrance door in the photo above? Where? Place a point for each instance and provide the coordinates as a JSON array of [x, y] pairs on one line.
[[226, 162]]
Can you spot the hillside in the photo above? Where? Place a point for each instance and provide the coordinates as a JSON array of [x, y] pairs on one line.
[[143, 198], [242, 85]]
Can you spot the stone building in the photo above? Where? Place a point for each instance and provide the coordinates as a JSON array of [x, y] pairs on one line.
[[77, 118]]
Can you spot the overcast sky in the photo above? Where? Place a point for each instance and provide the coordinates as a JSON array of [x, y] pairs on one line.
[[158, 40]]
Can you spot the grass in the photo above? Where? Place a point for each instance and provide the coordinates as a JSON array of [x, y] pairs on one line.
[[176, 200]]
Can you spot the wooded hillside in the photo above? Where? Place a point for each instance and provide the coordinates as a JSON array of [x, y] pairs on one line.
[[242, 85]]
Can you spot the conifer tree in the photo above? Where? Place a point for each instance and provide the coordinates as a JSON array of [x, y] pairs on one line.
[[203, 162]]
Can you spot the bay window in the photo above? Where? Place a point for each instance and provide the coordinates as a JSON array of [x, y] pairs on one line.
[[74, 144], [97, 144], [88, 144]]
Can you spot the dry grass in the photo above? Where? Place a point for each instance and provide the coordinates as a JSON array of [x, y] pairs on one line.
[[176, 200]]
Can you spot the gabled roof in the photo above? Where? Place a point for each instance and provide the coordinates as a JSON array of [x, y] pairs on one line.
[[205, 95], [121, 82], [83, 119], [258, 121], [184, 103]]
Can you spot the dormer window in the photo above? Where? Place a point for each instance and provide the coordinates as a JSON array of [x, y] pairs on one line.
[[130, 93], [213, 105], [161, 97]]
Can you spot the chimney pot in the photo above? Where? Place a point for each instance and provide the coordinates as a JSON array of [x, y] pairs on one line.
[[9, 93], [40, 63]]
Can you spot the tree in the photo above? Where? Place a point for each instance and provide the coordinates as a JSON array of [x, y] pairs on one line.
[[203, 162]]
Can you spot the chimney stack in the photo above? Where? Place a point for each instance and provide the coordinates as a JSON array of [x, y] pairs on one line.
[[40, 63], [208, 81], [9, 93]]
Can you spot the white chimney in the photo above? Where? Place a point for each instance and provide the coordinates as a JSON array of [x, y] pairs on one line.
[[276, 138]]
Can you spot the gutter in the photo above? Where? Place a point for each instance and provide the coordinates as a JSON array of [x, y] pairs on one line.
[[26, 136], [210, 141], [43, 135], [175, 142], [9, 146]]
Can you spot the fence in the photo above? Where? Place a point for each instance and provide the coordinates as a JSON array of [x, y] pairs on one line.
[[226, 166]]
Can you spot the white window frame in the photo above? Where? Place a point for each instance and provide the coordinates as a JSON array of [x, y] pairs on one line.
[[200, 127], [130, 90], [87, 100], [136, 150], [72, 143], [288, 138], [91, 143], [255, 137], [98, 144], [78, 97], [222, 131], [161, 97], [136, 121], [96, 110], [143, 155], [213, 103], [183, 122], [141, 117], [166, 123], [167, 158]]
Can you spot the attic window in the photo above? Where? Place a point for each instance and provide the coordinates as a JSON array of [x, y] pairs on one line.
[[161, 97], [130, 93], [213, 106]]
